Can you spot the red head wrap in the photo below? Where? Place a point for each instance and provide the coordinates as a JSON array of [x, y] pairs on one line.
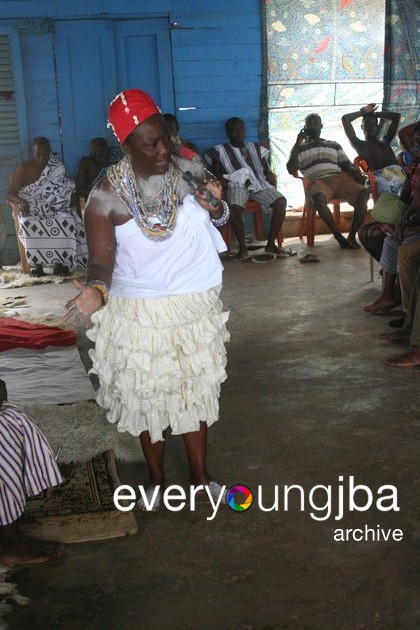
[[128, 110]]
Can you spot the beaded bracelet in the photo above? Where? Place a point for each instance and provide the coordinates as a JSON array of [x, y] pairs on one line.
[[102, 288], [221, 221]]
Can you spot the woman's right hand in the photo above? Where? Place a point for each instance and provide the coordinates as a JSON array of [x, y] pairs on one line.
[[81, 307]]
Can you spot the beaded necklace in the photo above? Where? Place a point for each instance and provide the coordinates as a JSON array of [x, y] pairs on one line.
[[154, 215]]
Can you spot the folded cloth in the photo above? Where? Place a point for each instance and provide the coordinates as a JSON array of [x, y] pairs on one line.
[[16, 333], [51, 375]]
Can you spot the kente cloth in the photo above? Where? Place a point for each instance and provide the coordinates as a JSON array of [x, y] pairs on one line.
[[27, 465], [247, 157], [160, 362], [53, 232], [16, 333], [390, 179]]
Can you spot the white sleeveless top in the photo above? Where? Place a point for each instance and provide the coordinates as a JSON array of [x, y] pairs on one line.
[[186, 262]]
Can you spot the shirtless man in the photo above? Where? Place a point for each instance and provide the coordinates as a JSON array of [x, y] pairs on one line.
[[377, 153], [27, 467]]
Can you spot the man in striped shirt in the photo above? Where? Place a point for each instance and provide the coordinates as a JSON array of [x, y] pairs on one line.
[[245, 172], [27, 467], [331, 175]]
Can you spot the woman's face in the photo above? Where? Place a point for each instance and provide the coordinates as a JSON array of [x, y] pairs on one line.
[[149, 147]]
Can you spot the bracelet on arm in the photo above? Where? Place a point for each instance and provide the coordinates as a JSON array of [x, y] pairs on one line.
[[221, 221], [102, 288]]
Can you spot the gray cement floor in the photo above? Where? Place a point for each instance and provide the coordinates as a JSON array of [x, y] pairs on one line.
[[308, 399]]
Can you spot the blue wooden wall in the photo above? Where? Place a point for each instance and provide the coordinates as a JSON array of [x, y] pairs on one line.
[[216, 66]]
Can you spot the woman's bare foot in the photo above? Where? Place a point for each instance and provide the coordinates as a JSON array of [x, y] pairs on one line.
[[408, 360], [25, 550], [381, 305], [402, 336]]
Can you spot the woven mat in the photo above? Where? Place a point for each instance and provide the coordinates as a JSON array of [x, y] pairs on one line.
[[82, 508]]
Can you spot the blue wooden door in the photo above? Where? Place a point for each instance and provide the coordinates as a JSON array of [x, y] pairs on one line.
[[143, 55], [95, 60], [87, 82]]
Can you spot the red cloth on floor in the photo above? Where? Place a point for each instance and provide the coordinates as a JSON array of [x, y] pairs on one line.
[[16, 333]]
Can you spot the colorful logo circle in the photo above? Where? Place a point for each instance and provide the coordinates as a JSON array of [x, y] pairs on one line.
[[239, 498]]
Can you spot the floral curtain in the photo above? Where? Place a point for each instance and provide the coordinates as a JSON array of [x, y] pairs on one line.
[[323, 56], [402, 59]]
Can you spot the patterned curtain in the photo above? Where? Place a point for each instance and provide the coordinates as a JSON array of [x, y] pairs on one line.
[[323, 56], [402, 59]]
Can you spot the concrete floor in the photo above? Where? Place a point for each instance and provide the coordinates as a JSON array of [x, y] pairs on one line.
[[308, 399]]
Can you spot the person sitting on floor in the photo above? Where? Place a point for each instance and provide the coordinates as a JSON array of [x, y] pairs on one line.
[[181, 147], [27, 467], [331, 174], [51, 231], [244, 166], [383, 163]]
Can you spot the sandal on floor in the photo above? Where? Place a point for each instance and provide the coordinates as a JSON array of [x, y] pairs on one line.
[[309, 258]]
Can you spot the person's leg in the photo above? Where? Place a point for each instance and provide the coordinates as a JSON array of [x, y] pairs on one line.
[[237, 223], [319, 202], [15, 548], [372, 238], [386, 301], [408, 264], [360, 209], [389, 263], [277, 218], [196, 447], [154, 454], [412, 358]]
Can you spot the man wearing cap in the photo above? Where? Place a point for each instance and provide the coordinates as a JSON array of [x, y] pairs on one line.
[[153, 285]]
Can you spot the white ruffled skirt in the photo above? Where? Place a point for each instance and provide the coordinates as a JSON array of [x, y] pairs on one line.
[[160, 362]]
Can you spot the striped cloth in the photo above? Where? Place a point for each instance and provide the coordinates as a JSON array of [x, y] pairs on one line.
[[247, 157], [320, 159], [27, 465]]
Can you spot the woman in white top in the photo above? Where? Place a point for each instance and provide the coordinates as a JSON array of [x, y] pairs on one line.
[[153, 283]]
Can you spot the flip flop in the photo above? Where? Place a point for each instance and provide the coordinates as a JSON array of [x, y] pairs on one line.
[[309, 258], [263, 258]]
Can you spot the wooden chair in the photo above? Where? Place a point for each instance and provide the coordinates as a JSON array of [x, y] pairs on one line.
[[22, 253], [362, 166], [307, 225]]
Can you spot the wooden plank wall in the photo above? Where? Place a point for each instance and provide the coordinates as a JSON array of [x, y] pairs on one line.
[[216, 56]]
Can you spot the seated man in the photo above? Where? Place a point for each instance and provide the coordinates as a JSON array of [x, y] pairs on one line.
[[27, 467], [92, 167], [181, 147], [243, 165], [381, 160], [51, 232], [378, 153], [332, 175]]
